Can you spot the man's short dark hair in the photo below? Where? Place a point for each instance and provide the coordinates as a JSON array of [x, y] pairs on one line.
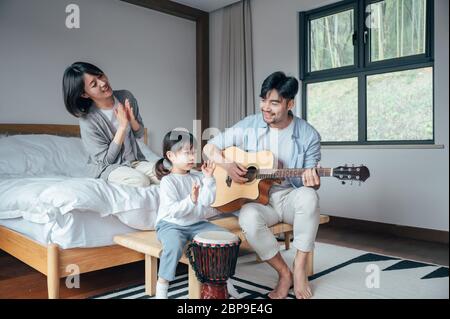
[[286, 86]]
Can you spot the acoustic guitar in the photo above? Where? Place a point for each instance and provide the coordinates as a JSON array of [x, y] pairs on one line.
[[261, 175]]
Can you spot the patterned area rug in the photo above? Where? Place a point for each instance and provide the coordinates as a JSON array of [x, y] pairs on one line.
[[340, 273]]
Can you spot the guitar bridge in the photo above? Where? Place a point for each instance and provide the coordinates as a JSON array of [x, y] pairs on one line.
[[228, 181]]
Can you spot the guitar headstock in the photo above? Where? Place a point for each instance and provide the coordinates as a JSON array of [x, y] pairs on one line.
[[351, 173]]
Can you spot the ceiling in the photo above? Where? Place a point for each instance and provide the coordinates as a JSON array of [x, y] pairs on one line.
[[206, 5]]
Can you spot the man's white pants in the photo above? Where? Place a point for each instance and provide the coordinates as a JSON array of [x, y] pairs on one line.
[[296, 206]]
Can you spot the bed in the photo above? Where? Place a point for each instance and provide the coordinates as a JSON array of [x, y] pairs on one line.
[[48, 249]]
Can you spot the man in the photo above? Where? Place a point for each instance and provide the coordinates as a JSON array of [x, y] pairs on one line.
[[295, 144]]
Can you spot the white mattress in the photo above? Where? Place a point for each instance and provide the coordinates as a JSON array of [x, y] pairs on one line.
[[46, 199], [46, 194], [78, 229]]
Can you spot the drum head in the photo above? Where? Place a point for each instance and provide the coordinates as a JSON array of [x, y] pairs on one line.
[[216, 238]]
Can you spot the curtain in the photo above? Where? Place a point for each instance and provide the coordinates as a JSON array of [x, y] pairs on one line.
[[236, 99]]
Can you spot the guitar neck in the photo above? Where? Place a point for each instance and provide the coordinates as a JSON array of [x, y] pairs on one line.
[[290, 172]]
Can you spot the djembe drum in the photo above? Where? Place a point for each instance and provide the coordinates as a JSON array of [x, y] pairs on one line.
[[213, 256]]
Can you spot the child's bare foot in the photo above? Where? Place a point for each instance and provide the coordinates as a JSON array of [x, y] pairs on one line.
[[284, 284], [302, 289]]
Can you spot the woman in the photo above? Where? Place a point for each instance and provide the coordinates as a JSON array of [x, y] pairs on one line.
[[109, 125]]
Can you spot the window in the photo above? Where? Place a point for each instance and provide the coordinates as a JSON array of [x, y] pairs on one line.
[[367, 71], [399, 105], [397, 28], [332, 41], [333, 109]]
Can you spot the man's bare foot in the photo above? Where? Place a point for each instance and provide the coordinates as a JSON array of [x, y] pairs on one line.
[[302, 289], [284, 285]]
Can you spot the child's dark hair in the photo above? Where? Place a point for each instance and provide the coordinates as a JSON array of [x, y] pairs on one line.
[[173, 141], [73, 87], [286, 86]]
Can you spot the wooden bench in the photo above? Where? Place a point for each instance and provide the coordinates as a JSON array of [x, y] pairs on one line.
[[146, 243]]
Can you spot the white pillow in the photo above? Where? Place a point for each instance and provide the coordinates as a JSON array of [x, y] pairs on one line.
[[13, 159], [42, 154], [50, 155]]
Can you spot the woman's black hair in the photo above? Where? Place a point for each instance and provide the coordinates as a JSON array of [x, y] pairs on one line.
[[286, 86], [73, 87], [173, 141]]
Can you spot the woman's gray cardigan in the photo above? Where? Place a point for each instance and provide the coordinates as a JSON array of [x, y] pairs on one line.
[[97, 134]]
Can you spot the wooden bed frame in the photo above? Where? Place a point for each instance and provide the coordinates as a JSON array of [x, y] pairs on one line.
[[51, 260]]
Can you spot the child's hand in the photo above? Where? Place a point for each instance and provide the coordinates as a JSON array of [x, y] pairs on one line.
[[208, 168], [194, 192]]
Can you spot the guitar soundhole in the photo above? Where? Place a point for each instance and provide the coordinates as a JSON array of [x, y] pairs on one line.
[[251, 173]]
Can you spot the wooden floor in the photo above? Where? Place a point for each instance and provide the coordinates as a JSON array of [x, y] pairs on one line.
[[17, 280]]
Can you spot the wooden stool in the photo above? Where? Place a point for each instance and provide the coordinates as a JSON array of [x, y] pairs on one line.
[[146, 243]]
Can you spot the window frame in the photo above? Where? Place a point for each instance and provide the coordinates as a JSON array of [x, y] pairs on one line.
[[362, 67], [342, 7]]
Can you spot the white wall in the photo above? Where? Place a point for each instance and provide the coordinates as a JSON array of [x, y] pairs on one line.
[[407, 187], [149, 53]]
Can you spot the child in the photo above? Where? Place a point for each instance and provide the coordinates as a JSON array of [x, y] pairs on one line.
[[185, 199]]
